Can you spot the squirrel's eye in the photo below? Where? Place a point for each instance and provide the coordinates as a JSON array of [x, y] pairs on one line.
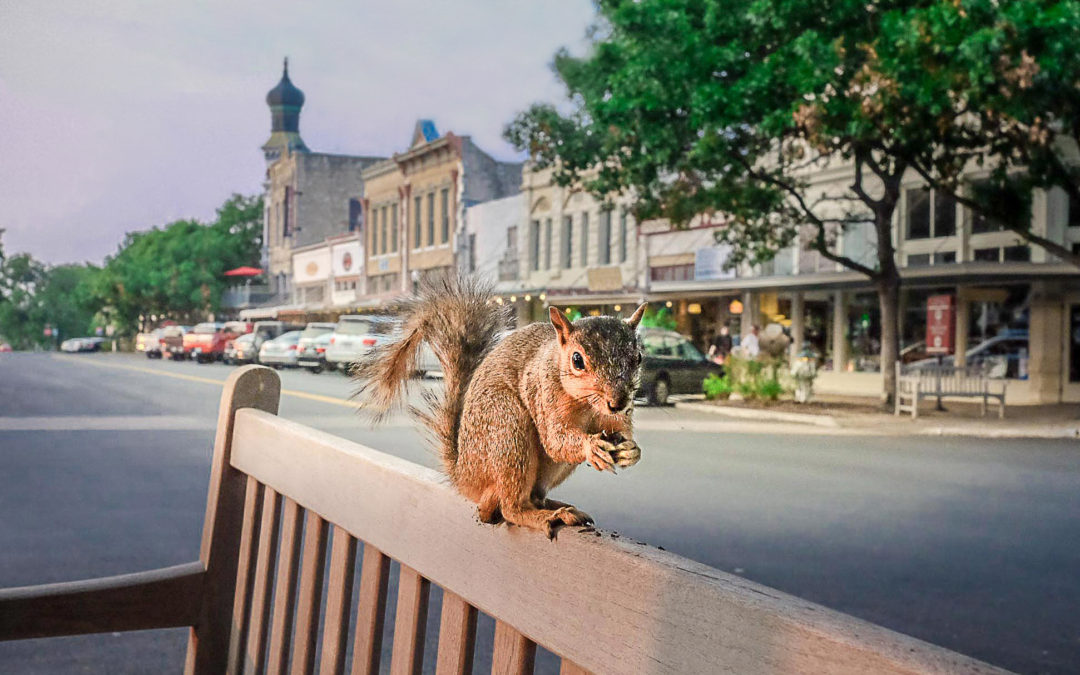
[[578, 361]]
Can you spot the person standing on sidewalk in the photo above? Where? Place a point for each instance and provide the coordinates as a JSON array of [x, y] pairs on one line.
[[750, 344], [720, 346]]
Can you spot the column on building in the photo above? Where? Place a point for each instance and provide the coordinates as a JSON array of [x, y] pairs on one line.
[[1046, 335], [798, 323], [839, 338]]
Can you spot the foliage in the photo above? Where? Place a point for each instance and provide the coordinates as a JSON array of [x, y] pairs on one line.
[[177, 271], [660, 317], [717, 387], [33, 296], [751, 378], [994, 83]]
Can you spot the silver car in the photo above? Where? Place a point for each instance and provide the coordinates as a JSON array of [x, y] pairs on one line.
[[281, 351], [355, 335]]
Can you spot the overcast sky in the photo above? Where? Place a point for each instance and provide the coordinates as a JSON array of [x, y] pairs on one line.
[[121, 115]]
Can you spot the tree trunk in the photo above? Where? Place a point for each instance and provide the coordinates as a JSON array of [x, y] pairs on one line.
[[888, 290]]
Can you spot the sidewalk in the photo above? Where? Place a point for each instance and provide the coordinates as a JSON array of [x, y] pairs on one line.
[[961, 418]]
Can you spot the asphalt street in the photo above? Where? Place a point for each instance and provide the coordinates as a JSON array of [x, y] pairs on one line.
[[972, 544]]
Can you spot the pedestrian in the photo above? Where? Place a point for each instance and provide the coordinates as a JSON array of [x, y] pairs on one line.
[[750, 344], [720, 346]]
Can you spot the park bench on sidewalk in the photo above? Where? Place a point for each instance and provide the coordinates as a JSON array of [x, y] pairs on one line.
[[941, 381], [283, 497]]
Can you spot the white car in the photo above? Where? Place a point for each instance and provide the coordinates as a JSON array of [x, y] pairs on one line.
[[281, 351], [355, 335]]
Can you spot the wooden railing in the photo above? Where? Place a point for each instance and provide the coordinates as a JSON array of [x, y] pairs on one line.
[[285, 499]]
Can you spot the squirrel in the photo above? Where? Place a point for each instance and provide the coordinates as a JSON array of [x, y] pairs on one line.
[[519, 413]]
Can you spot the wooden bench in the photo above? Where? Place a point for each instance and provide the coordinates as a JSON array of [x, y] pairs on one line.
[[938, 382], [285, 498]]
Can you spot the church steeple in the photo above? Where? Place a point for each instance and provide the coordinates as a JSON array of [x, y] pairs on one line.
[[285, 102]]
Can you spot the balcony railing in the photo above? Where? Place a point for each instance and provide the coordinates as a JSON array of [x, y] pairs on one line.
[[239, 297]]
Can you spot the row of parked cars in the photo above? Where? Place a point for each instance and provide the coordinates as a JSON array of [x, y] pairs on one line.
[[315, 346]]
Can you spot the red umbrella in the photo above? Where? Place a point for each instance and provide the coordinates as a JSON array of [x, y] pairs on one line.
[[244, 272]]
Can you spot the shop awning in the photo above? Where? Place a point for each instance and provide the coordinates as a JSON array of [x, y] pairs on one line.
[[244, 272]]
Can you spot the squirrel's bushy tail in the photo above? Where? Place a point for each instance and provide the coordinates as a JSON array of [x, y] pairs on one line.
[[457, 318]]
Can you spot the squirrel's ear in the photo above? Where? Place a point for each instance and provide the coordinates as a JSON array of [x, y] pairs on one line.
[[563, 327], [635, 319]]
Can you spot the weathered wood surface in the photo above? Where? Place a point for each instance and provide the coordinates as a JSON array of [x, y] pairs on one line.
[[338, 597], [281, 622], [245, 575], [370, 611], [165, 598], [263, 588], [313, 563], [657, 612], [208, 641], [514, 653], [410, 622], [457, 636]]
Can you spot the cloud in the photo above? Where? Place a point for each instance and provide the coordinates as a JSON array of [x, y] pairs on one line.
[[123, 115]]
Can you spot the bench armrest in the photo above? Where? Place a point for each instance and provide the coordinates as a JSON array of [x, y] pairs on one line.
[[165, 598]]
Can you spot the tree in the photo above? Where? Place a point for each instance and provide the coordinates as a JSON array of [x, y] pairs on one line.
[[178, 271], [704, 107], [1007, 76]]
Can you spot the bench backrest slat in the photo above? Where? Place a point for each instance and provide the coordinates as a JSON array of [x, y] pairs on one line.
[[245, 574], [457, 635], [514, 654], [410, 622], [338, 597], [370, 611], [263, 588], [283, 614], [657, 612], [313, 565]]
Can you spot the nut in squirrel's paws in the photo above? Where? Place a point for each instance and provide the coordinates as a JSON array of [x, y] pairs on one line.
[[598, 453], [567, 515], [625, 454]]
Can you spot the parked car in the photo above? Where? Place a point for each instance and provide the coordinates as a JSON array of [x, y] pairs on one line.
[[268, 330], [172, 341], [241, 350], [281, 351], [5, 347], [1001, 356], [71, 345], [355, 335], [672, 365], [427, 364], [306, 352], [207, 341], [149, 343], [311, 352]]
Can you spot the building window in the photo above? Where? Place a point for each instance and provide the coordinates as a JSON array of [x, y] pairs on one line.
[[623, 234], [567, 241], [286, 213], [431, 219], [386, 227], [1074, 212], [393, 228], [603, 256], [1016, 254], [584, 240], [444, 204], [416, 222], [511, 238], [987, 255], [355, 211], [472, 252], [918, 260], [672, 273], [946, 258], [930, 214], [547, 243], [534, 245], [374, 232]]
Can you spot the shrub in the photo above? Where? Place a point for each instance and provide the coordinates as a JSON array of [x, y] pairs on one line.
[[717, 387], [769, 389]]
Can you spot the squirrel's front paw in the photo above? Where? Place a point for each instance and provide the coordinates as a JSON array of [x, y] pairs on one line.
[[627, 453], [598, 454]]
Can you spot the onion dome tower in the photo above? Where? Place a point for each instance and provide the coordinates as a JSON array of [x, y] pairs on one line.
[[285, 101]]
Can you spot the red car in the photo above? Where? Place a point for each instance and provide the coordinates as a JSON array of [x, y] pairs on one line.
[[207, 341]]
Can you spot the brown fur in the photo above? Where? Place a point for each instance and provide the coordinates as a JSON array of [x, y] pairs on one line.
[[517, 417]]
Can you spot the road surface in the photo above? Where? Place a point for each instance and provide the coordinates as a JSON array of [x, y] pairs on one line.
[[967, 543]]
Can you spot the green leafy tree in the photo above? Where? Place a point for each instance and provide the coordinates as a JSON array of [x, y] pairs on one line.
[[35, 297], [1001, 82], [178, 271], [729, 109]]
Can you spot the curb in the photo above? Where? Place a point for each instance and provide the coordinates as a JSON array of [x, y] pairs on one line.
[[763, 415], [1008, 432]]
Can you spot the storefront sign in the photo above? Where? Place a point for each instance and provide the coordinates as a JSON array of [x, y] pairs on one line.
[[712, 263], [940, 324], [311, 266], [347, 258], [605, 279]]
